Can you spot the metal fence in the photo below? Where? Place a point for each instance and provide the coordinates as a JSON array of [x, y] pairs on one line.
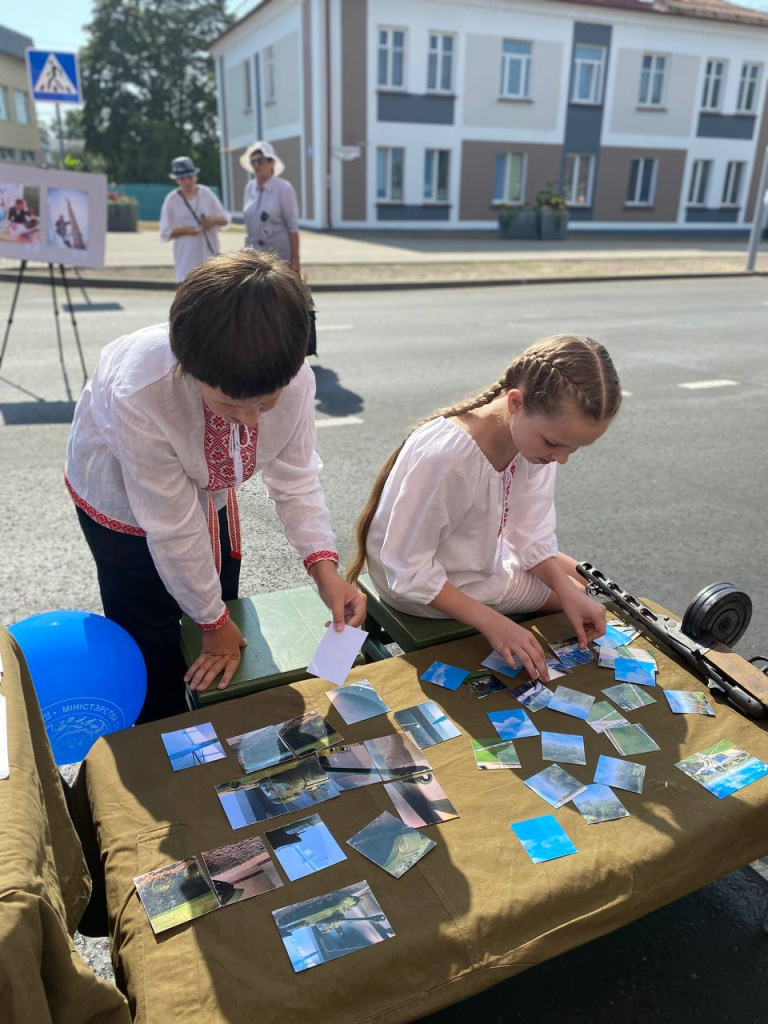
[[151, 197]]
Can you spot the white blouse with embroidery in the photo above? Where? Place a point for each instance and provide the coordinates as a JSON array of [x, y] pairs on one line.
[[447, 516], [147, 457]]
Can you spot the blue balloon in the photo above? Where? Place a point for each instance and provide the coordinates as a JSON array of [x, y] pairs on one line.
[[89, 676]]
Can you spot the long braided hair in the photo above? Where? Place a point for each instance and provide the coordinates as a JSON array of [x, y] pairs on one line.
[[553, 374]]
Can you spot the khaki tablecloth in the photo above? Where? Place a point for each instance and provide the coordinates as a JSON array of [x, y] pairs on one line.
[[473, 912], [44, 882]]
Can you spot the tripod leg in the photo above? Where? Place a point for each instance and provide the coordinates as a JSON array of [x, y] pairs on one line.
[[65, 282], [58, 332], [22, 268]]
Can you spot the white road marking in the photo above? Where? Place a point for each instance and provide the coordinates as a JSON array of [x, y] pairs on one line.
[[338, 421], [335, 327], [699, 385]]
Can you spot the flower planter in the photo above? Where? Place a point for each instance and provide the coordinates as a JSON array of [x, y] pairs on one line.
[[553, 224], [123, 216], [518, 224]]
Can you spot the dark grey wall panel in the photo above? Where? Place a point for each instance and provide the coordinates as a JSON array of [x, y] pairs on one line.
[[716, 215], [400, 211], [412, 108], [726, 126]]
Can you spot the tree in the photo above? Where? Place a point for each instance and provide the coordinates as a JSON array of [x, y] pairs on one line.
[[148, 86]]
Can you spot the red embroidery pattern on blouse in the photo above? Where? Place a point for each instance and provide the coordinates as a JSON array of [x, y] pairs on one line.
[[505, 509], [209, 627], [100, 518], [320, 556], [221, 466]]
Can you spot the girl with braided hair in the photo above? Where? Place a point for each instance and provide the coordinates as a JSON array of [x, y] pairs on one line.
[[461, 519]]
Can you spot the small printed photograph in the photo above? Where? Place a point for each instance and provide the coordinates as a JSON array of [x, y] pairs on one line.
[[67, 219], [427, 723], [300, 785], [198, 744], [689, 702], [484, 684], [562, 746], [599, 803], [603, 716], [496, 663], [241, 870], [555, 785], [628, 696], [631, 739], [357, 702], [556, 669], [612, 637], [309, 732], [570, 654], [331, 926], [391, 844], [630, 670], [248, 800], [606, 656], [447, 676], [396, 756], [349, 767], [304, 847], [512, 725], [630, 632], [572, 702], [723, 769], [543, 838], [640, 654], [20, 216], [533, 696], [260, 749], [420, 800], [174, 894], [629, 775], [495, 753]]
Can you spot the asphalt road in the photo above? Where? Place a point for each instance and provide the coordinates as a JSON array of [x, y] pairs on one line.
[[673, 498]]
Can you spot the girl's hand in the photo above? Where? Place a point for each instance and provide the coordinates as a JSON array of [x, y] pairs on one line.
[[346, 602], [509, 639], [586, 615], [220, 653]]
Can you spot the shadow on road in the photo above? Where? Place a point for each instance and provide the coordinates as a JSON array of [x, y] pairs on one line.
[[25, 414], [332, 397]]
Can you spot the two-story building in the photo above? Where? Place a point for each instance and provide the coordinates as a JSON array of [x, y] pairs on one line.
[[19, 132], [647, 114]]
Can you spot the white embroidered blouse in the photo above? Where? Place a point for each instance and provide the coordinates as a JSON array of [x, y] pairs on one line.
[[147, 457], [447, 516]]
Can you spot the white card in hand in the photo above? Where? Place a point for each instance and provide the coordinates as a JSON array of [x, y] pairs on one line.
[[5, 770], [336, 653]]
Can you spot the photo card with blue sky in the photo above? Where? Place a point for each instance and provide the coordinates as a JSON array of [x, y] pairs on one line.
[[689, 702], [612, 637], [599, 803], [555, 785], [448, 676], [193, 746], [630, 670], [308, 732], [304, 847], [174, 894], [391, 844], [420, 800], [496, 663], [357, 702], [543, 838], [483, 684], [629, 775], [628, 696], [570, 655], [248, 800], [512, 725], [495, 753], [606, 656], [260, 749], [603, 715], [562, 746], [631, 739], [349, 767], [396, 756], [241, 870], [572, 702], [723, 768], [427, 723], [534, 696]]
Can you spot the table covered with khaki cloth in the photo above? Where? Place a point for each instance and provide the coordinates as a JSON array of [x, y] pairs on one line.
[[44, 881], [473, 912]]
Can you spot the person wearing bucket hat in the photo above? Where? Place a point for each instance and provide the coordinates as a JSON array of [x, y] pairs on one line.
[[270, 207], [190, 218]]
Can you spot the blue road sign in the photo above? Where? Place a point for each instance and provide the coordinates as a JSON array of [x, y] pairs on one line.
[[54, 77]]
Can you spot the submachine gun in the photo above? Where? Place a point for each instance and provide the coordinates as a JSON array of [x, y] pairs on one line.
[[715, 620]]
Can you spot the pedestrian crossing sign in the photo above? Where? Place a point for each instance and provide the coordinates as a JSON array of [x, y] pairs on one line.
[[54, 76]]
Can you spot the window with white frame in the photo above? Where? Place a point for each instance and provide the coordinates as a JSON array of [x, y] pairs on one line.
[[509, 178], [270, 92], [642, 181], [247, 89], [578, 179], [699, 187], [4, 112], [20, 106], [440, 62], [515, 69], [653, 74], [734, 176], [389, 174], [436, 165], [391, 58], [588, 71], [28, 156], [748, 86], [714, 83]]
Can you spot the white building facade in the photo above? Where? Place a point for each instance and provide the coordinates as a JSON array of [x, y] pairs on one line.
[[649, 115]]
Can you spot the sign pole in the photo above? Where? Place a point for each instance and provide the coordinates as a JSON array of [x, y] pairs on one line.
[[759, 216]]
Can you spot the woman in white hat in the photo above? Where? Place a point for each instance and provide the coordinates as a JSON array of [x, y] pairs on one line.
[[191, 217], [270, 207]]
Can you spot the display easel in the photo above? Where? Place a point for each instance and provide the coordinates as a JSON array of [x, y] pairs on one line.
[[65, 283]]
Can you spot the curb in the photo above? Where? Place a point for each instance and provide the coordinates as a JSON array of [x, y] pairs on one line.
[[145, 284]]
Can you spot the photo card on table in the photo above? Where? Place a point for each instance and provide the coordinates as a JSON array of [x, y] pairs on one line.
[[561, 746], [484, 684], [420, 800], [723, 768], [248, 800], [427, 723], [512, 725], [689, 702], [570, 655], [629, 775], [631, 670], [300, 784], [174, 894], [349, 766], [572, 702], [631, 739], [308, 732], [260, 749], [599, 803], [603, 715], [357, 702], [495, 753], [555, 785], [198, 744], [391, 844], [496, 663], [448, 676], [304, 846], [628, 696], [543, 838], [534, 696], [396, 756], [241, 870]]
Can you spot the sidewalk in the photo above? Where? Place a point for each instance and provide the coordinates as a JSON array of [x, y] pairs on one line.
[[390, 259]]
